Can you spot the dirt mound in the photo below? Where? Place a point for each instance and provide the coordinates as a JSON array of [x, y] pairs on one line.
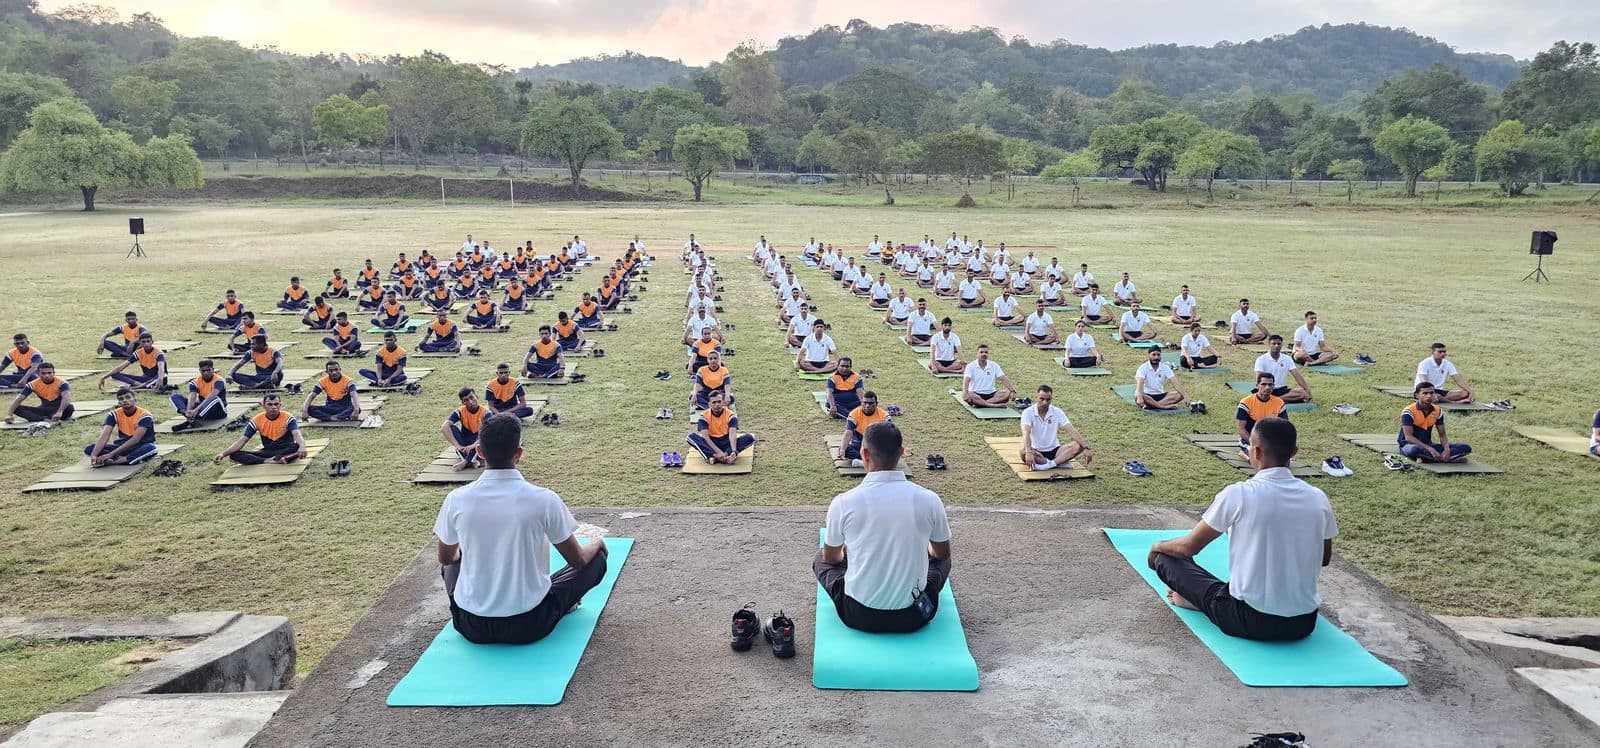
[[966, 201], [402, 186]]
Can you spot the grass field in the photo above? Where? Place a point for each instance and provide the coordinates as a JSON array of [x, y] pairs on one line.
[[1387, 283], [37, 675]]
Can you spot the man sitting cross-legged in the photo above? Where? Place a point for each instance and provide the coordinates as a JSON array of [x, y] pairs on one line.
[[281, 440], [337, 287], [970, 293], [268, 366], [342, 401], [860, 418], [248, 329], [844, 389], [1041, 442], [206, 399], [1082, 353], [1156, 384], [1095, 309], [320, 316], [588, 314], [370, 298], [700, 350], [711, 378], [1124, 292], [1281, 367], [494, 549], [1438, 371], [152, 363], [391, 362], [900, 308], [1021, 282], [55, 402], [441, 335], [944, 284], [886, 550], [944, 350], [1309, 347], [1134, 326], [545, 359], [567, 333], [24, 359], [1280, 534], [984, 384], [1007, 310], [516, 297], [716, 435], [1185, 308], [1245, 327], [128, 435], [227, 314], [878, 294], [800, 327], [1418, 422], [483, 314], [1040, 328], [295, 296], [919, 325], [461, 429], [391, 315], [504, 393], [1082, 281], [346, 337], [1195, 351], [1051, 292], [816, 351], [438, 297], [1256, 407], [122, 339]]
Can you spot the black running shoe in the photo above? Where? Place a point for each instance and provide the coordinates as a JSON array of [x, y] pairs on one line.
[[779, 632], [746, 626]]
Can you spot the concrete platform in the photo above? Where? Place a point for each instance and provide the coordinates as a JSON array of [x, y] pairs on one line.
[[180, 721], [1073, 649]]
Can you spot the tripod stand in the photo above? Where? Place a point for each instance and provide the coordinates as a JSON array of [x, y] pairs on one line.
[[138, 251], [1538, 275]]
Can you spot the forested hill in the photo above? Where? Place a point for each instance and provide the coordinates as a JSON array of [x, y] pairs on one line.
[[1327, 62]]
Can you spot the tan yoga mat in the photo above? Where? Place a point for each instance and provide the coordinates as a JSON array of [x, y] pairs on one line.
[[694, 464], [442, 470], [366, 348], [1086, 371], [923, 349], [1051, 347], [1560, 439], [1388, 444], [280, 345], [1405, 393], [82, 409], [927, 364], [268, 474], [586, 350], [466, 346], [79, 476], [840, 465], [65, 375], [166, 346], [235, 409], [412, 375], [1226, 448], [369, 406], [572, 368], [1010, 448]]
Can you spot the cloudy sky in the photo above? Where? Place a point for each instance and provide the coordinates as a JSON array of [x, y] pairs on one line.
[[523, 32]]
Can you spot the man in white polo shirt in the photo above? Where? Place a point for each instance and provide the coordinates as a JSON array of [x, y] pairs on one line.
[[1029, 264], [1124, 291], [1052, 292], [800, 326], [1093, 307], [944, 350], [851, 275], [874, 247], [1282, 367], [919, 326], [1185, 308], [1082, 280], [1007, 310], [885, 555], [1021, 282], [1245, 327], [984, 384], [970, 294], [1280, 534], [701, 320], [863, 284], [999, 273], [1156, 384], [944, 283], [1055, 271], [878, 295], [1081, 350], [1309, 347], [1438, 371], [494, 538], [816, 351], [1134, 327], [1040, 328], [1195, 351], [900, 308], [1041, 442]]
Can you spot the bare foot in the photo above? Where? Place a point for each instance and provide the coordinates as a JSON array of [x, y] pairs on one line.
[[1177, 599]]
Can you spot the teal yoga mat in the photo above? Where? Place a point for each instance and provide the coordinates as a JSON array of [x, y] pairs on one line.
[[455, 672], [934, 658], [1337, 369], [1329, 657], [1249, 387], [1125, 391]]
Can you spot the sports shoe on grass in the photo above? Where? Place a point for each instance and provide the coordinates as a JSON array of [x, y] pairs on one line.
[[1335, 467], [1396, 462], [746, 626], [1346, 409], [1502, 405], [779, 632], [1197, 407], [1364, 359], [1136, 468]]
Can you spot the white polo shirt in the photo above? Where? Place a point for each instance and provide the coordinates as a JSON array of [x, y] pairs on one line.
[[817, 351], [982, 377], [1195, 344], [505, 526], [1030, 264], [1155, 377], [970, 288], [1055, 271], [698, 323], [800, 324], [1276, 525], [920, 323], [864, 282], [975, 264], [1081, 280], [1019, 280], [874, 247], [1278, 367], [792, 306], [1091, 305], [1436, 374], [1243, 323], [999, 272], [1309, 341], [851, 273], [900, 308], [881, 291], [1050, 291], [1123, 289], [886, 523], [1079, 345], [1005, 307], [944, 346], [1183, 307], [1039, 323], [1043, 430], [1135, 322]]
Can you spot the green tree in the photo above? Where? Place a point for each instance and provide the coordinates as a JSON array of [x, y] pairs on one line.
[[703, 150], [816, 150], [434, 99], [143, 104], [1116, 146], [1019, 156], [1217, 153], [859, 151], [1561, 87], [888, 97], [572, 131], [1437, 174], [904, 158], [1502, 153], [649, 150], [19, 94], [1413, 145], [750, 85], [1439, 93], [1162, 139], [964, 154], [1591, 148], [1550, 156], [1072, 167], [65, 148], [1350, 171], [209, 133], [340, 123]]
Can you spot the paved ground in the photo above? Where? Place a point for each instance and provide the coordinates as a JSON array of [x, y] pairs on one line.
[[1072, 648]]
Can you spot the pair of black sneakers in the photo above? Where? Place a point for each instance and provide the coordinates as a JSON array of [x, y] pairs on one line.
[[777, 630]]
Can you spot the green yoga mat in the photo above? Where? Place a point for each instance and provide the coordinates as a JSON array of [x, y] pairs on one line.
[[985, 413], [455, 672], [1329, 657], [934, 658], [1337, 369], [811, 377], [1249, 387], [1125, 391]]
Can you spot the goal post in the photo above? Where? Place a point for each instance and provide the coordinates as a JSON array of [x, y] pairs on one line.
[[511, 186]]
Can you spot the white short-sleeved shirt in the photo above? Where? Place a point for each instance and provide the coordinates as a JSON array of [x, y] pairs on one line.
[[864, 282], [851, 273], [1195, 345], [1124, 289], [801, 326], [1436, 374], [1276, 525], [1050, 291], [983, 378], [1243, 323], [1079, 344], [944, 281], [1091, 305], [885, 525], [944, 346], [1002, 256], [875, 247], [505, 526], [881, 292], [924, 274], [1081, 279], [1135, 322], [1005, 307], [920, 323], [1039, 323], [698, 323], [1309, 340], [840, 264], [1019, 280], [1030, 264], [970, 288], [975, 264], [901, 308], [999, 272], [815, 350], [1056, 271], [792, 306], [1278, 367], [1183, 307], [1155, 377], [1044, 430]]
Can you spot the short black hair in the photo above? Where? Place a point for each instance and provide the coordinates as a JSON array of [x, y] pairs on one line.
[[1277, 437], [463, 392], [883, 440], [499, 438], [946, 321], [1047, 389], [46, 365], [206, 363], [1275, 337], [1422, 385], [1436, 346], [1260, 375]]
